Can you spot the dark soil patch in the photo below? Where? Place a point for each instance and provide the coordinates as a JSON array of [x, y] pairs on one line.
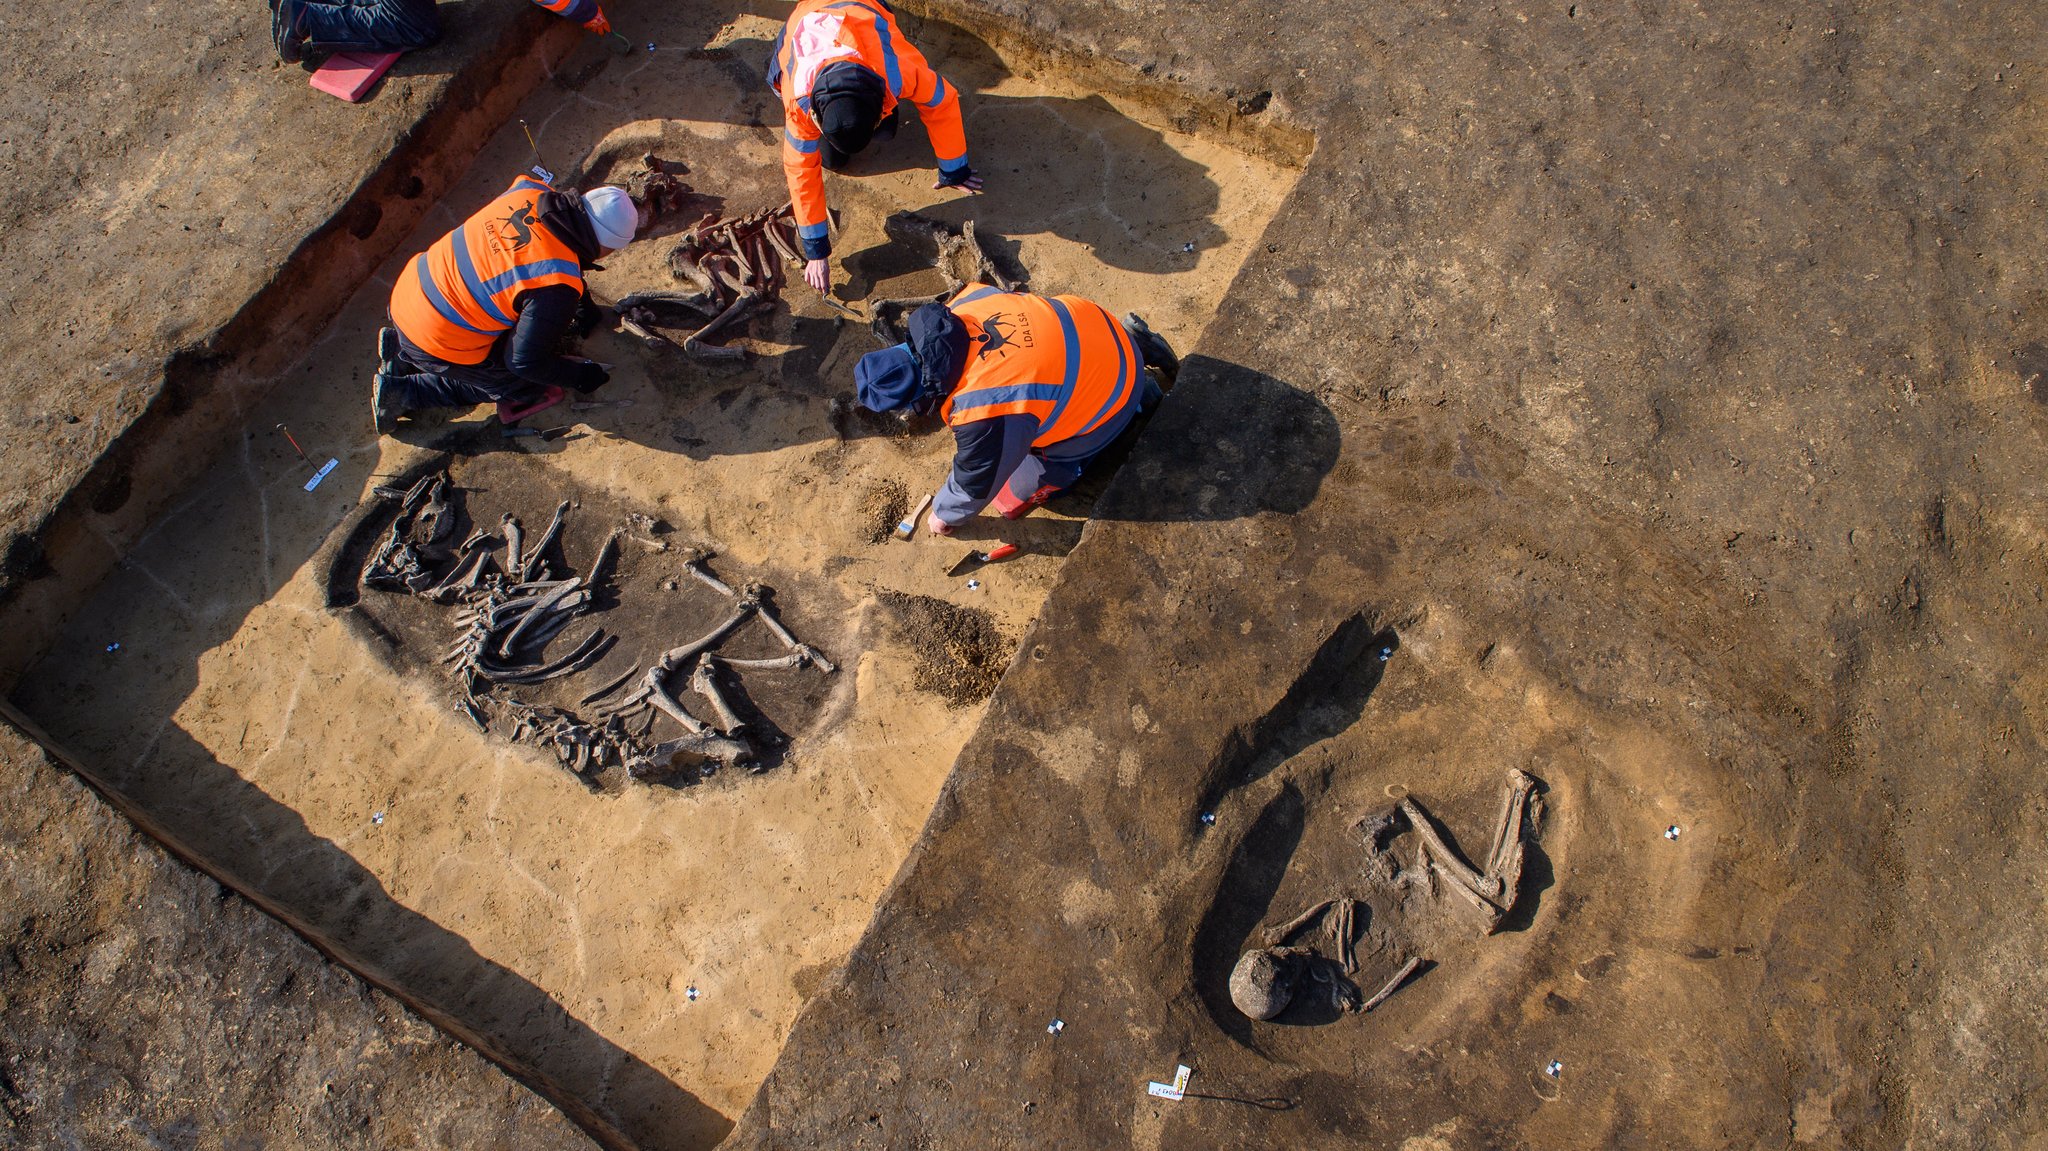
[[882, 508], [648, 600], [960, 652]]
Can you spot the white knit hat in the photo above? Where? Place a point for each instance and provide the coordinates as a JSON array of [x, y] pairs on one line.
[[612, 215]]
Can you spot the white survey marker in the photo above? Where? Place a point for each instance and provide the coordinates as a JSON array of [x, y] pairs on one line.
[[1177, 1089], [329, 466]]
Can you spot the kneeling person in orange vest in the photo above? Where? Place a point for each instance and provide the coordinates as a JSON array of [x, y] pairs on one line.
[[477, 317], [841, 68], [1034, 387]]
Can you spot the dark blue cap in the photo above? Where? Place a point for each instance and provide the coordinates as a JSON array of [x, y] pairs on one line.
[[887, 380]]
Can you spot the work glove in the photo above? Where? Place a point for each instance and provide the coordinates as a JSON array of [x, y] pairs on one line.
[[964, 179], [586, 376], [589, 314], [598, 24]]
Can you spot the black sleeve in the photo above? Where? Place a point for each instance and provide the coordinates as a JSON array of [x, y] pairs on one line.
[[545, 315], [977, 451]]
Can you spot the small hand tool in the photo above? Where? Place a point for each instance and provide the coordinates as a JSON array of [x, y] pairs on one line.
[[908, 526], [973, 560]]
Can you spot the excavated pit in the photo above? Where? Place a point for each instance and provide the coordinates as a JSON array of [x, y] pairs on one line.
[[638, 953]]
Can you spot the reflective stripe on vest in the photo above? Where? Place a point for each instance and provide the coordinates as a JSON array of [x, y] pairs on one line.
[[456, 298], [579, 11], [1063, 360], [821, 32]]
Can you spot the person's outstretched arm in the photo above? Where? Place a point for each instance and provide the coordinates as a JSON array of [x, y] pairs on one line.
[[804, 169], [938, 105]]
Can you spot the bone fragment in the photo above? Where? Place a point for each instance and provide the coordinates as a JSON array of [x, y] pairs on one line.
[[1387, 989], [548, 537], [782, 633], [695, 566], [606, 553], [704, 681], [515, 557], [1275, 936], [1441, 852]]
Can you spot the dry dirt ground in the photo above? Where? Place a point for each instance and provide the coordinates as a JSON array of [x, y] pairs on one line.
[[1657, 382], [678, 929]]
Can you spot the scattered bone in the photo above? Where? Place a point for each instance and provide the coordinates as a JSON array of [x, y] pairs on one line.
[[695, 566], [504, 613], [1267, 977], [1392, 985], [515, 556], [704, 681], [961, 255], [546, 541]]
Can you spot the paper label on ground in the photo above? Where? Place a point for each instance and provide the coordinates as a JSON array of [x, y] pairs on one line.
[[329, 466], [1177, 1089]]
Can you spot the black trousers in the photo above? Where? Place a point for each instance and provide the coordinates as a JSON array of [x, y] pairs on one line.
[[368, 25], [426, 381]]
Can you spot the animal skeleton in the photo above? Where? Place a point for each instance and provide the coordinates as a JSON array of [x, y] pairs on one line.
[[1265, 979]]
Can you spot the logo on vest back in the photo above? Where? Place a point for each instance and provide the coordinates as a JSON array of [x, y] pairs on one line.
[[999, 335], [520, 225]]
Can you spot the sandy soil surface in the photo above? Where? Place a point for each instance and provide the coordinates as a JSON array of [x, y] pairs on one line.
[[647, 947]]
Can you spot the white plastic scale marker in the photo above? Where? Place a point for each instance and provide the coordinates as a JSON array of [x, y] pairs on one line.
[[1175, 1090], [329, 466]]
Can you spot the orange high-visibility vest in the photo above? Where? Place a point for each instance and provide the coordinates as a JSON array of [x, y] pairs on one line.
[[454, 300], [1062, 360], [822, 32], [575, 11]]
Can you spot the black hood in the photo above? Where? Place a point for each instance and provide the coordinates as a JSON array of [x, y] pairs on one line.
[[562, 213], [846, 101]]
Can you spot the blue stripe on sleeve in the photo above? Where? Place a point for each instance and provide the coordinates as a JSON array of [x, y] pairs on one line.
[[817, 231], [938, 92], [1073, 339], [805, 146]]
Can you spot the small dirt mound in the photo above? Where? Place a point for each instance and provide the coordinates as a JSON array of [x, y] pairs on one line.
[[882, 507], [959, 650]]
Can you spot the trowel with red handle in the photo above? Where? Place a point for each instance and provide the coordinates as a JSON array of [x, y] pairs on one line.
[[973, 560]]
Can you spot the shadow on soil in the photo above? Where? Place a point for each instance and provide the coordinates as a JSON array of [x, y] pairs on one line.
[[565, 1060], [1073, 167]]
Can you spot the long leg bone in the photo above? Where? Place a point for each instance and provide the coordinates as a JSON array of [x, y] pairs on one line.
[[694, 564], [704, 681], [677, 657], [783, 633], [1442, 854], [547, 538], [697, 346], [1275, 936], [1392, 985]]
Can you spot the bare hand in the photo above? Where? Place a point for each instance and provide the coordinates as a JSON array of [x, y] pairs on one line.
[[937, 526], [818, 275]]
